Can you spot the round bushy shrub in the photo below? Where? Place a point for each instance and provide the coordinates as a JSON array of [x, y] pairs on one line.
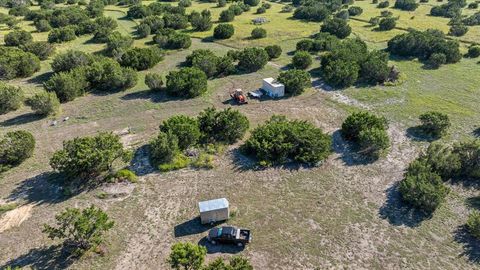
[[259, 32], [273, 51], [201, 21], [86, 157], [16, 63], [386, 24], [154, 81], [163, 148], [304, 45], [383, 4], [295, 81], [252, 59], [375, 68], [185, 128], [302, 60], [434, 123], [261, 10], [436, 60], [17, 38], [355, 11], [341, 73], [187, 82], [16, 147], [204, 60], [473, 223], [41, 49], [143, 30], [42, 25], [337, 27], [70, 59], [280, 140], [227, 126], [373, 140], [458, 30], [223, 31], [11, 98], [117, 44], [251, 3], [141, 58], [409, 5], [474, 51], [184, 3], [44, 103], [227, 15], [178, 41], [221, 3], [357, 122], [63, 34], [473, 5], [343, 14], [67, 85]]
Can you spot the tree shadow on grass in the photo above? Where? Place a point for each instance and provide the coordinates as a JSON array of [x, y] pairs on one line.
[[398, 213], [471, 245], [41, 78], [192, 226], [220, 248], [418, 134], [21, 119], [154, 96], [140, 163], [348, 151], [473, 202], [44, 258], [246, 163], [476, 132], [39, 189]]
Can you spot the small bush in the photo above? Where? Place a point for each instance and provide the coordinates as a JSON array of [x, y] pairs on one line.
[[163, 148], [436, 60], [337, 27], [178, 41], [41, 49], [187, 82], [473, 223], [280, 140], [304, 45], [63, 34], [251, 3], [295, 81], [386, 24], [11, 98], [70, 60], [474, 51], [179, 161], [343, 14], [259, 33], [435, 123], [154, 81], [184, 3], [458, 30], [252, 59], [223, 31], [473, 5], [15, 147], [126, 175], [143, 30], [373, 141], [141, 58], [383, 4], [274, 51], [67, 85], [226, 126], [261, 10], [42, 26], [356, 122], [409, 5], [301, 60], [221, 3], [355, 11], [44, 103], [17, 38], [185, 128]]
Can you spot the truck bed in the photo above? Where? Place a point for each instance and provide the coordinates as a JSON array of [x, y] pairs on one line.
[[243, 235]]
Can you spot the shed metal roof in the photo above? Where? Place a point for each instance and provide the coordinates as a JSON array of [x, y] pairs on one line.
[[210, 205]]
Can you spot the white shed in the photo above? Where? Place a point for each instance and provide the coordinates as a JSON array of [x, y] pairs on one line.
[[214, 210], [273, 88]]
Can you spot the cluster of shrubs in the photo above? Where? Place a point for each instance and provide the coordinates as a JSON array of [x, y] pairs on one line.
[[77, 72], [350, 61], [172, 40], [180, 134], [316, 11], [15, 147], [211, 64], [190, 256], [15, 63], [408, 5], [263, 8], [368, 132], [88, 157], [141, 58], [430, 46], [201, 21], [472, 20], [280, 140], [451, 9], [42, 103], [235, 9], [337, 27]]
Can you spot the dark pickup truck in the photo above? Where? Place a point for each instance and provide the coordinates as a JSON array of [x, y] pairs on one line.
[[229, 235]]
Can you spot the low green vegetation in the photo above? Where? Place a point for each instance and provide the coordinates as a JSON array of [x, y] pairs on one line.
[[15, 148], [435, 124], [279, 141]]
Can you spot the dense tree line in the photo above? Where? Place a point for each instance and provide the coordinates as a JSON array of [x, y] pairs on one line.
[[424, 45]]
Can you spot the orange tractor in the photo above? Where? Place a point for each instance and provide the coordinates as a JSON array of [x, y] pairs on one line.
[[239, 97]]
